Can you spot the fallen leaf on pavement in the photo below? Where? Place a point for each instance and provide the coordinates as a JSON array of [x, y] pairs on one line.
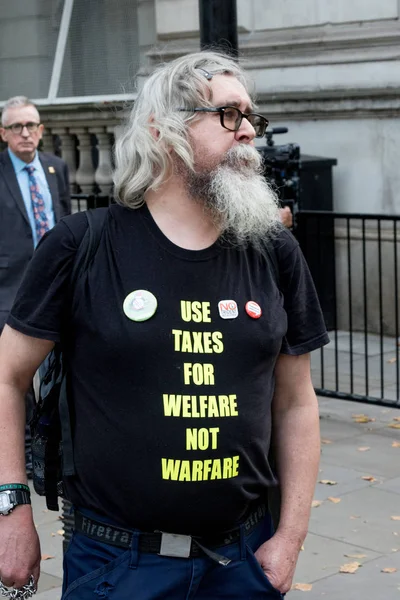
[[327, 482], [302, 587], [396, 418], [47, 556], [362, 419], [364, 448], [395, 518], [396, 445], [334, 500], [388, 570], [350, 567], [355, 555], [316, 503], [325, 441], [60, 532], [355, 517], [369, 478], [394, 425], [392, 360]]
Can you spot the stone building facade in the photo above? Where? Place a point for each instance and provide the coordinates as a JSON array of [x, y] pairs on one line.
[[329, 71]]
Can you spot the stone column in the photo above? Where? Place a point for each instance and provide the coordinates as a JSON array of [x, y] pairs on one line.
[[117, 131], [47, 141], [85, 172], [68, 153], [103, 175]]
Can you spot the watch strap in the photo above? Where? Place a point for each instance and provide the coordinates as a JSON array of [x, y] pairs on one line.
[[20, 497]]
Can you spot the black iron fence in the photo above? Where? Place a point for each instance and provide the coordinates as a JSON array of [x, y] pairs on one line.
[[354, 262], [81, 202]]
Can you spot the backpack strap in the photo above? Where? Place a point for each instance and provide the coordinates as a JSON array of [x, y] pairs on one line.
[[90, 242], [84, 257]]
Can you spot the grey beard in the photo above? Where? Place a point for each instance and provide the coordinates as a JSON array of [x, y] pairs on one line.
[[237, 197]]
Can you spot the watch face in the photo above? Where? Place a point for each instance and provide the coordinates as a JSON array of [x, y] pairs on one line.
[[5, 503]]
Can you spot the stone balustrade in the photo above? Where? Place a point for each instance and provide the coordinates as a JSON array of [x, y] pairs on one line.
[[84, 135]]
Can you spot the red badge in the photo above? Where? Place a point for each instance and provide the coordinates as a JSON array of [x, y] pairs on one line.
[[253, 309]]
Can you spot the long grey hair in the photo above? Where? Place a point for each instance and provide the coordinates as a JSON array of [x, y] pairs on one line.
[[143, 160]]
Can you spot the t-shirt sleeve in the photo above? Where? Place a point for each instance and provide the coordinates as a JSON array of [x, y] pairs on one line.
[[41, 306], [306, 327]]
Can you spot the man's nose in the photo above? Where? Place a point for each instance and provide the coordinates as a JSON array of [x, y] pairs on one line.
[[246, 132]]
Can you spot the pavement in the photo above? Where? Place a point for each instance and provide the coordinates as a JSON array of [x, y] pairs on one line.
[[355, 519]]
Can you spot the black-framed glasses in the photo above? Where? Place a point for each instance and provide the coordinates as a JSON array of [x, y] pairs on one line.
[[231, 118], [18, 127]]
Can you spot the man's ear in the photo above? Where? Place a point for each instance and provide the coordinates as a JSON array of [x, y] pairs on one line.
[[3, 134], [40, 131]]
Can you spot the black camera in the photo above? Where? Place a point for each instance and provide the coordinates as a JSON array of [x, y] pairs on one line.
[[282, 168]]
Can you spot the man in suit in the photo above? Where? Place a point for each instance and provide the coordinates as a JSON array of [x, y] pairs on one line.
[[34, 195]]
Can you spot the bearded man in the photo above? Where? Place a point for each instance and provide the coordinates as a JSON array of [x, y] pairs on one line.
[[188, 353]]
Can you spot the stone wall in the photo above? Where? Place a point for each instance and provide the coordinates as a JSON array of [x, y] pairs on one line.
[[328, 70], [28, 37]]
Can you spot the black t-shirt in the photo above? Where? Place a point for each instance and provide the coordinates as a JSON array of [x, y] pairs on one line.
[[171, 415]]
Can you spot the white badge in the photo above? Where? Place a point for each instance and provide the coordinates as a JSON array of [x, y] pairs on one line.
[[228, 309], [140, 305]]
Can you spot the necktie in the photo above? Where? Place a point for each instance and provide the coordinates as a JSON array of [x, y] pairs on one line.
[[39, 212]]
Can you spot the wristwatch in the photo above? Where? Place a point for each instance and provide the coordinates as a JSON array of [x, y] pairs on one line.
[[9, 499]]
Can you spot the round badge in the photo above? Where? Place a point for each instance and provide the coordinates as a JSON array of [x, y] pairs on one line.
[[253, 309], [140, 305]]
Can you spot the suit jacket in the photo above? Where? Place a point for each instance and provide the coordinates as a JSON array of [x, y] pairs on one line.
[[16, 243]]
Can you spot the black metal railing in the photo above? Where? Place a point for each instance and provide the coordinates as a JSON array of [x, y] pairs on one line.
[[354, 262], [82, 202]]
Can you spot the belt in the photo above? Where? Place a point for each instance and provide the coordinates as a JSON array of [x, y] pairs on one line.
[[165, 544]]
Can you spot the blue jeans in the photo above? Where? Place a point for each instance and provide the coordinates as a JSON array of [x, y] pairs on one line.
[[97, 571]]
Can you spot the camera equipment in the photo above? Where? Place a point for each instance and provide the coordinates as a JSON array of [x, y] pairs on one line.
[[282, 168]]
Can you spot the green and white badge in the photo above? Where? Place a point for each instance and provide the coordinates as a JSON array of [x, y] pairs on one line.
[[140, 305]]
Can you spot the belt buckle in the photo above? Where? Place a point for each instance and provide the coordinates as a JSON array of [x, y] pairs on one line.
[[176, 545]]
